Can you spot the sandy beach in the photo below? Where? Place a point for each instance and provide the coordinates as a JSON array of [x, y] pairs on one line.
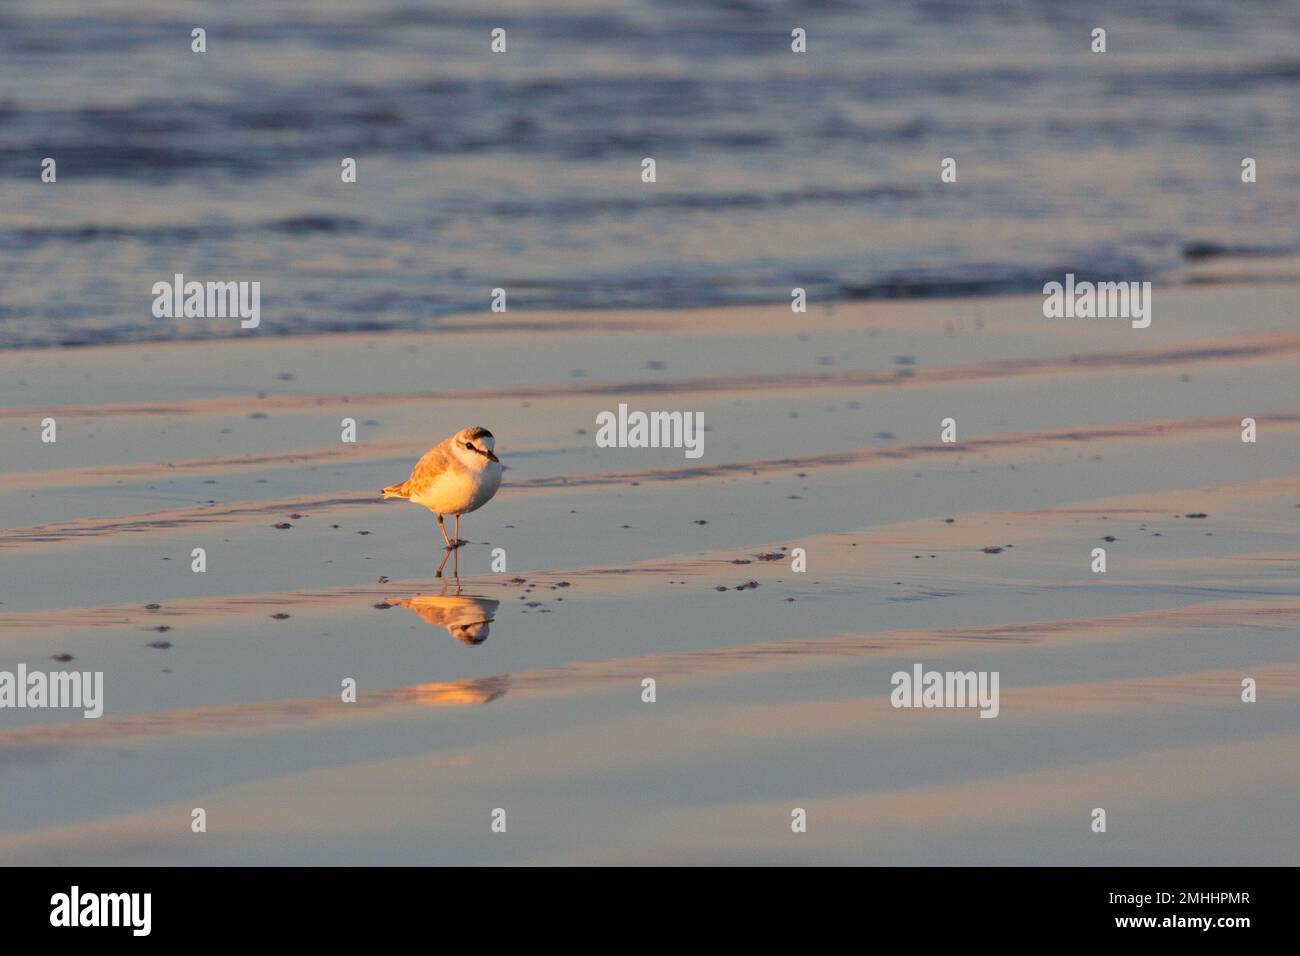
[[1119, 690]]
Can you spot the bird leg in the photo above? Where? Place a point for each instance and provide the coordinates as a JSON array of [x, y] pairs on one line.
[[455, 567], [443, 529], [456, 532]]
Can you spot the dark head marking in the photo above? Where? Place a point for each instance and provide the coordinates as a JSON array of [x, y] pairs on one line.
[[480, 433]]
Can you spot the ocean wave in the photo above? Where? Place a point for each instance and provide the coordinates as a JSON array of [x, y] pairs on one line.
[[774, 169]]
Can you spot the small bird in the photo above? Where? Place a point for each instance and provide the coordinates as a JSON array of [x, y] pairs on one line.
[[458, 475]]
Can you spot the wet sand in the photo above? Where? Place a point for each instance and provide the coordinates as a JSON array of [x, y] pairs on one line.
[[1118, 690]]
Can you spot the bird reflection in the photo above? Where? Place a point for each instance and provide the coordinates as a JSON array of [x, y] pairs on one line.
[[460, 693], [466, 617]]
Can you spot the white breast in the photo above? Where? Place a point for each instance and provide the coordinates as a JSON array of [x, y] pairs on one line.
[[488, 483], [458, 491]]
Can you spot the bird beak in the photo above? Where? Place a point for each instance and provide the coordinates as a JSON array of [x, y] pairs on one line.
[[492, 456]]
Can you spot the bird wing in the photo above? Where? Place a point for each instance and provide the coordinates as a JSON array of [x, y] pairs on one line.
[[434, 462]]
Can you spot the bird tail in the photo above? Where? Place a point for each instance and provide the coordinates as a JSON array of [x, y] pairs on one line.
[[395, 491]]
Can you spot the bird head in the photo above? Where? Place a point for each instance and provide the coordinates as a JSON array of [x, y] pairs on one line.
[[475, 445]]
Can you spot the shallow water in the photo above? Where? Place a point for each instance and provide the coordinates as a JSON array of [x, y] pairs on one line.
[[522, 689], [522, 170]]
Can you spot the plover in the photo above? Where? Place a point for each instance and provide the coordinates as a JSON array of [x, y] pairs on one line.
[[458, 475]]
